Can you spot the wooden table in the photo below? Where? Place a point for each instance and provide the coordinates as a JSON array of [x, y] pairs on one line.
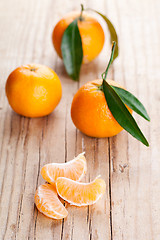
[[130, 209]]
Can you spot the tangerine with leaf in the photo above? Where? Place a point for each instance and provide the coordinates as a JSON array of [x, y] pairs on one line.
[[91, 33], [79, 38], [102, 108]]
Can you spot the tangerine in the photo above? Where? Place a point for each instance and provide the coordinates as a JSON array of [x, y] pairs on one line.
[[33, 90], [91, 32], [90, 112]]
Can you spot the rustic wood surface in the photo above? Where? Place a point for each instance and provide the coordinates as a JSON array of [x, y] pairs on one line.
[[130, 209]]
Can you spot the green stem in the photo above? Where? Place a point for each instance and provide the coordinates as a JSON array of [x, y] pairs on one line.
[[82, 9], [104, 75]]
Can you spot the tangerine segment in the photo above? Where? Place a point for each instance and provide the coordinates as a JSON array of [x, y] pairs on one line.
[[92, 34], [48, 203], [74, 169], [80, 194]]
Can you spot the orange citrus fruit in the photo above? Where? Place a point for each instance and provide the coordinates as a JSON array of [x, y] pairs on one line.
[[48, 203], [91, 32], [78, 193], [90, 112], [74, 169], [33, 90]]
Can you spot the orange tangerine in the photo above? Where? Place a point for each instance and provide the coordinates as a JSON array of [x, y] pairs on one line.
[[91, 32], [33, 90], [90, 112]]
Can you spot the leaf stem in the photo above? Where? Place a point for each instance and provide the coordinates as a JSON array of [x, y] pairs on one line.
[[104, 75], [82, 9]]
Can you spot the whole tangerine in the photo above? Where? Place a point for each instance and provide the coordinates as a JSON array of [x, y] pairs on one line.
[[91, 32], [90, 112], [33, 90]]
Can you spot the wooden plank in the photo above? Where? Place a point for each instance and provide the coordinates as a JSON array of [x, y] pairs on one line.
[[22, 217], [134, 204], [84, 218]]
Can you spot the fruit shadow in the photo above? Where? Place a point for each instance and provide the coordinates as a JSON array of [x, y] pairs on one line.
[[21, 128]]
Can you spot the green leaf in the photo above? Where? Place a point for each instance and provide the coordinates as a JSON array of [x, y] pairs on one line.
[[72, 52], [131, 101], [121, 113], [113, 34]]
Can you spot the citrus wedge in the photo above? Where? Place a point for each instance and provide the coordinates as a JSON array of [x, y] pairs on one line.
[[80, 194], [48, 203], [74, 169]]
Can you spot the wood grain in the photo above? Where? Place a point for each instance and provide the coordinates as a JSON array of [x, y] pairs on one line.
[[130, 208]]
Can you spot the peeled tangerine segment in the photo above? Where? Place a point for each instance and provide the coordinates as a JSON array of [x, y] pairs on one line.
[[78, 193], [74, 169], [48, 203]]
